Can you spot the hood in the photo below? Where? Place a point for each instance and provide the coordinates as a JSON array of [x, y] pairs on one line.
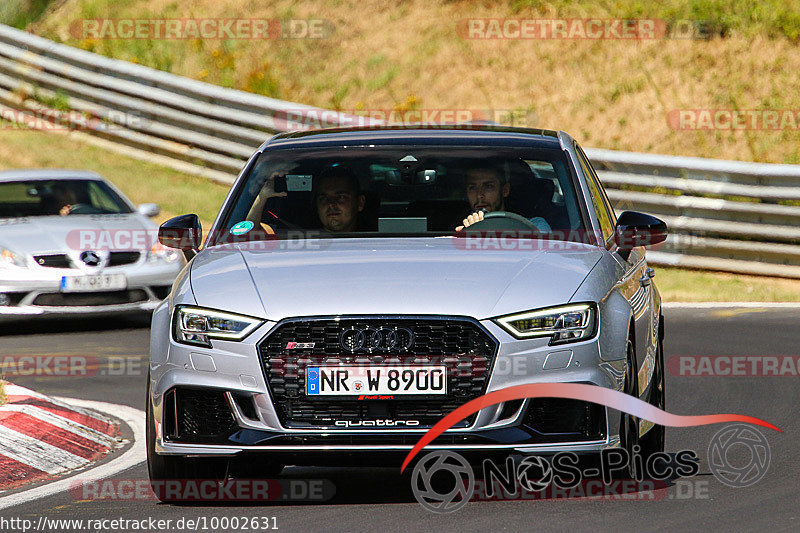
[[54, 234], [408, 276]]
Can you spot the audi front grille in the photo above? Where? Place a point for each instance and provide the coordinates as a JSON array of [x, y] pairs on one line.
[[459, 344]]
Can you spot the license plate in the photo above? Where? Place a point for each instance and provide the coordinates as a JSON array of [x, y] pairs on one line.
[[383, 380], [98, 282]]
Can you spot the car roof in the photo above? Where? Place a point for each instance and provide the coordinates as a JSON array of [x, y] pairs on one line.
[[47, 174], [448, 134]]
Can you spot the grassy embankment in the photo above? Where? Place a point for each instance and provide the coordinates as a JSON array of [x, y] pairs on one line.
[[409, 55], [609, 93]]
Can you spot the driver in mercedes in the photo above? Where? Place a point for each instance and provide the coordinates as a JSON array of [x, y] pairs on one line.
[[64, 198], [487, 190]]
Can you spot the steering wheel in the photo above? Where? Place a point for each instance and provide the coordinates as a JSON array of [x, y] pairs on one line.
[[503, 220]]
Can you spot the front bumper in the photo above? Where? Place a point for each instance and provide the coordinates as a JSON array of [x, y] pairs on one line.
[[234, 371], [37, 292]]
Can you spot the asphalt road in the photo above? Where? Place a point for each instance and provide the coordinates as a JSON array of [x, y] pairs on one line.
[[379, 499]]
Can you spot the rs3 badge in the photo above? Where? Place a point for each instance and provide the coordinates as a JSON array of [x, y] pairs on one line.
[[299, 345]]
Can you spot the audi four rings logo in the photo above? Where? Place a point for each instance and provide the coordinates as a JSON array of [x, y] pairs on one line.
[[377, 339]]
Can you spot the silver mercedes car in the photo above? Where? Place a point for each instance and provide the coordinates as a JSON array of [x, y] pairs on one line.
[[360, 284], [71, 244]]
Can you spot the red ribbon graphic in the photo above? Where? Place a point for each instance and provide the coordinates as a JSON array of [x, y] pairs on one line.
[[577, 391]]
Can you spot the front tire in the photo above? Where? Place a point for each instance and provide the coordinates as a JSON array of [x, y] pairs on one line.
[[654, 440], [629, 424]]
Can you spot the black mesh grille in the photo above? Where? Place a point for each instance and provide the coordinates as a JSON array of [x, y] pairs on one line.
[[202, 415], [123, 258], [53, 261], [570, 418], [460, 345]]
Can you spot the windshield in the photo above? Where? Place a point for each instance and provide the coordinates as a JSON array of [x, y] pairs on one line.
[[402, 191], [37, 198]]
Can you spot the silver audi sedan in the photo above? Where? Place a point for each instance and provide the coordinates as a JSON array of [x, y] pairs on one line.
[[360, 284], [71, 244]]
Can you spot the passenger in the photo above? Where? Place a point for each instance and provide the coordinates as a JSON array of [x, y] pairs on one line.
[[487, 190], [337, 199]]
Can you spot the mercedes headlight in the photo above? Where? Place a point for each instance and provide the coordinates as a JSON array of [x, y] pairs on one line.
[[9, 258], [197, 326], [160, 253], [568, 323]]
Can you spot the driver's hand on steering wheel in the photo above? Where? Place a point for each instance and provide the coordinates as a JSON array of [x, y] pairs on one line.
[[64, 211], [472, 219]]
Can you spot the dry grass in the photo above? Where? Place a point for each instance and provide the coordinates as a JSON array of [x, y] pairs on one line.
[[399, 55], [677, 285]]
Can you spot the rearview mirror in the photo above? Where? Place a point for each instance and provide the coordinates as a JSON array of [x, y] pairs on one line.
[[148, 210], [638, 229], [183, 232]]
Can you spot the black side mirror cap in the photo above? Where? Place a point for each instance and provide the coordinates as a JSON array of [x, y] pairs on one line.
[[182, 232], [638, 229]]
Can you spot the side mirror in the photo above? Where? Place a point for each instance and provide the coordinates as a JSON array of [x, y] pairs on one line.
[[183, 232], [148, 210], [638, 229]]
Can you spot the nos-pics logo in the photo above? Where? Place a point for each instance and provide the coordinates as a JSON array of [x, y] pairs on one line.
[[444, 481]]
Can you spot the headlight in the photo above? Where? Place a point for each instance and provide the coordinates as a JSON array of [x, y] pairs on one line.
[[568, 323], [9, 258], [193, 325], [159, 252]]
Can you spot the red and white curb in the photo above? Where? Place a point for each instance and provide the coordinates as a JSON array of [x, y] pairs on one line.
[[41, 437], [133, 456]]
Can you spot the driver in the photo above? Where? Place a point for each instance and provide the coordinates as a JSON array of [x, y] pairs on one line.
[[65, 198], [487, 190]]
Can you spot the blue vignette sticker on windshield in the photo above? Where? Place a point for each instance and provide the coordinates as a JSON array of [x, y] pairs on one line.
[[240, 228]]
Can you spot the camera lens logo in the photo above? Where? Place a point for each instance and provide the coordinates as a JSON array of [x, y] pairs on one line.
[[739, 455], [443, 482], [534, 473]]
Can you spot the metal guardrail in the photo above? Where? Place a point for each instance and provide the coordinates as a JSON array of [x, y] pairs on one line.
[[723, 215]]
